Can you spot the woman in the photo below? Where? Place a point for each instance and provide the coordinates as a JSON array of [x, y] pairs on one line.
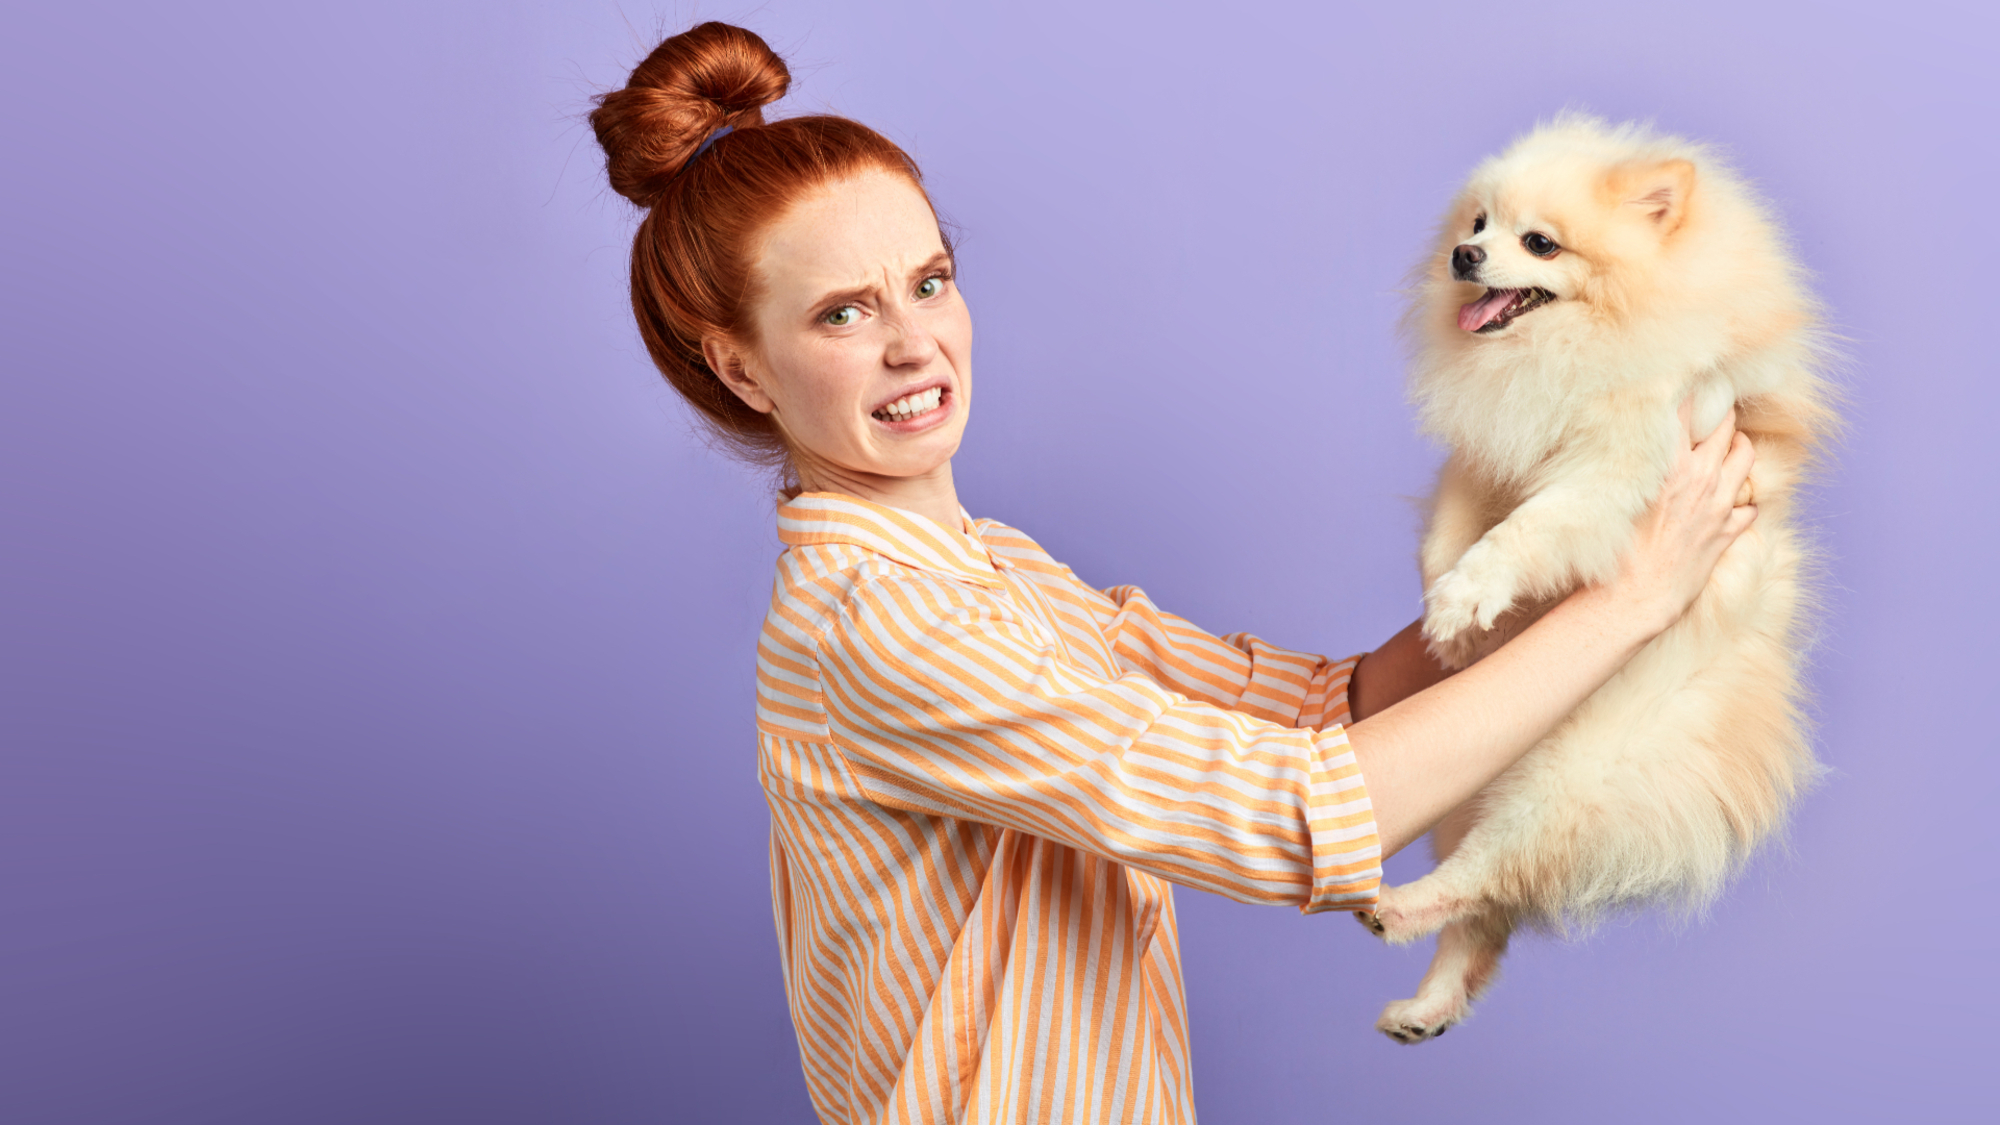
[[983, 774]]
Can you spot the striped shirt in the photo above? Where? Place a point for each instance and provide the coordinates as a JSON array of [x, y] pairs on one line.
[[983, 775]]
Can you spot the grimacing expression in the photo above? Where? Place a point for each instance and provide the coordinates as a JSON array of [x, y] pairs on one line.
[[863, 345], [1561, 239]]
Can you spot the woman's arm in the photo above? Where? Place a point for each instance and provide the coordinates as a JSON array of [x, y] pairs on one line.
[[1432, 751], [944, 698], [1239, 671], [1400, 668]]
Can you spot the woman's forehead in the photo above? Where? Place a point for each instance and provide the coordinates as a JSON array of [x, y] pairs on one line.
[[867, 230]]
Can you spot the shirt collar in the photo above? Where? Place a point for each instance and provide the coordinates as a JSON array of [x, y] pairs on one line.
[[908, 538]]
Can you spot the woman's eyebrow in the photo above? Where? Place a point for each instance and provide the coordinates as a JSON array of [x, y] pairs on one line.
[[838, 297], [843, 296]]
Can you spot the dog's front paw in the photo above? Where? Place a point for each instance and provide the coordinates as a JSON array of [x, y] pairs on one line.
[[1449, 608], [1422, 1018], [1464, 599]]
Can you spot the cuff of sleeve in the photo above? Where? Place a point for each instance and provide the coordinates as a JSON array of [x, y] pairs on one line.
[[1346, 850], [1326, 696]]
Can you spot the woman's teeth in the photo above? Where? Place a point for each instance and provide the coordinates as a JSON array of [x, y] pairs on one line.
[[909, 406]]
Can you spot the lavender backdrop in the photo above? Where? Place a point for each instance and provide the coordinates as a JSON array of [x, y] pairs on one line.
[[378, 641]]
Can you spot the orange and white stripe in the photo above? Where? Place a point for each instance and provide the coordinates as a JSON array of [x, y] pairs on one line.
[[982, 776]]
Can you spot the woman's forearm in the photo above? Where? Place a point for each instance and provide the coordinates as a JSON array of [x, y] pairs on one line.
[[1400, 668], [1430, 752]]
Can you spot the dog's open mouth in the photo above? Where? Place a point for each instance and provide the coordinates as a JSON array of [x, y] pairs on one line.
[[1498, 308]]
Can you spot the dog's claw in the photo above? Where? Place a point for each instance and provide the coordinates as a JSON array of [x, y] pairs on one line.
[[1414, 1021], [1410, 1034], [1370, 922]]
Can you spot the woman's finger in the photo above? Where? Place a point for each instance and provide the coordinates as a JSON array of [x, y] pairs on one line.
[[1727, 425], [1739, 519], [1716, 445], [1735, 468], [1686, 413]]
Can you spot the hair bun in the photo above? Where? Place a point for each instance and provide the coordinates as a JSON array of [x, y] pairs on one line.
[[711, 75]]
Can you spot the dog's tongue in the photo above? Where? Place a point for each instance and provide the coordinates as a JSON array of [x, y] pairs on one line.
[[1474, 315]]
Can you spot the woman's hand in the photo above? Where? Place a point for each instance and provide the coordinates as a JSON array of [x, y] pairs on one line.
[[1680, 538]]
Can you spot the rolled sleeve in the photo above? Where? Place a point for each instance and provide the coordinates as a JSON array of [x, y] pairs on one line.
[[1346, 850]]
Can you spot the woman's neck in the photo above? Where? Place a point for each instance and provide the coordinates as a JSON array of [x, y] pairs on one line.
[[931, 494]]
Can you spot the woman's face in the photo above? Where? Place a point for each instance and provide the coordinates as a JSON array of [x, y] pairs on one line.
[[863, 345]]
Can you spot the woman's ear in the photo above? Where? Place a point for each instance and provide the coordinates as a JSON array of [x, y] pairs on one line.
[[728, 361]]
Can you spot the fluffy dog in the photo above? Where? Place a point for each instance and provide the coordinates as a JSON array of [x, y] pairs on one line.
[[1585, 283]]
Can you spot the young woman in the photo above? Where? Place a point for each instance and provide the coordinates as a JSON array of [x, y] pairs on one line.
[[983, 773]]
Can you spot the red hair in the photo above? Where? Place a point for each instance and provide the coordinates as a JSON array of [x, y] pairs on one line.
[[692, 272]]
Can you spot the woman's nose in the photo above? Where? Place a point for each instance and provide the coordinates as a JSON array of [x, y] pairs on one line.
[[909, 343]]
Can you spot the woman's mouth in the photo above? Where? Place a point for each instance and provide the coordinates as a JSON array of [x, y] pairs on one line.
[[913, 411]]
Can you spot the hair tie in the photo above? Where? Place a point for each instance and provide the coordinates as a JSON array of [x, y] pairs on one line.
[[712, 138]]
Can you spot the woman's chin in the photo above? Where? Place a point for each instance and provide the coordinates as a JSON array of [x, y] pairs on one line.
[[917, 468], [913, 460]]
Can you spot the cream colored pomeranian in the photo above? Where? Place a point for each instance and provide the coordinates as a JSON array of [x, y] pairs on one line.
[[1586, 282]]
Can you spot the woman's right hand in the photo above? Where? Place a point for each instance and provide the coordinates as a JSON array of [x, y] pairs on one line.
[[1678, 540]]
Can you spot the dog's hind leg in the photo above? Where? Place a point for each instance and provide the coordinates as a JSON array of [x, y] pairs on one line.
[[1457, 888], [1467, 960]]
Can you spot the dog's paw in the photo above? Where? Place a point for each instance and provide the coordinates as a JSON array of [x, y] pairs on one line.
[[1449, 608], [1420, 1019], [1463, 601], [1390, 920], [1412, 911]]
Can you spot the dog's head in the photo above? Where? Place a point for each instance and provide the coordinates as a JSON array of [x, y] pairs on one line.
[[1577, 221], [1588, 257]]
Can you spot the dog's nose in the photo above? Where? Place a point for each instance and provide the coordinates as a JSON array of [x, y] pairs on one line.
[[1465, 259]]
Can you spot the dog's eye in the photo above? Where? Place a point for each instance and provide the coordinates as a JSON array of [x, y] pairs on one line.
[[1539, 244], [1479, 224]]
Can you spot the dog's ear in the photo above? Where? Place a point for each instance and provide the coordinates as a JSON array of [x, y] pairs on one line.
[[1659, 188]]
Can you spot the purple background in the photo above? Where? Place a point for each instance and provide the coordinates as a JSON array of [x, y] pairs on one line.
[[378, 640]]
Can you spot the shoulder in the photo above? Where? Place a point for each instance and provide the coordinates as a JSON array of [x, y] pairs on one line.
[[820, 585], [814, 579]]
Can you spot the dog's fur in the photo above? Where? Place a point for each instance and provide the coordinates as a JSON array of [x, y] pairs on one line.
[[1671, 279]]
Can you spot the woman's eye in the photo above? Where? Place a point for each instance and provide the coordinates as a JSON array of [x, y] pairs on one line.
[[842, 316], [1539, 244], [1479, 224], [930, 287]]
